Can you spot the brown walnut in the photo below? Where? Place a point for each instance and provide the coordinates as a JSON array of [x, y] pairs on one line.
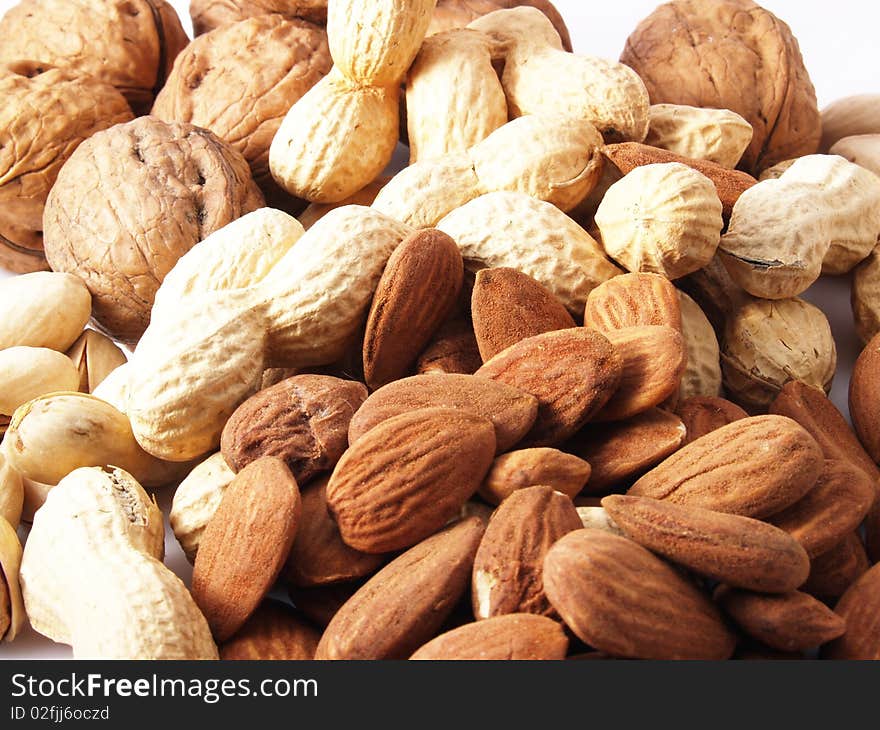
[[47, 113], [133, 199], [209, 14], [731, 54]]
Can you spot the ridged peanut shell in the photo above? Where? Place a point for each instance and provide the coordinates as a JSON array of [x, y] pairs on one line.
[[728, 548], [662, 218], [522, 468], [512, 636], [702, 374], [754, 467], [408, 476], [865, 296], [510, 560], [515, 230], [631, 300], [405, 603], [374, 44], [622, 600], [860, 608], [717, 135], [572, 373]]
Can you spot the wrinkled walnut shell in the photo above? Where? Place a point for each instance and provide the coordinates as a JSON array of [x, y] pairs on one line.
[[451, 14], [130, 44], [130, 202], [209, 14], [239, 81], [47, 113], [731, 54]]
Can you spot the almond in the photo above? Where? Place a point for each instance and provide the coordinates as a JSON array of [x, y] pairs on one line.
[[654, 359], [529, 467], [864, 398], [302, 420], [509, 563], [521, 636], [754, 467], [860, 608], [321, 603], [730, 184], [453, 349], [511, 410], [415, 295], [617, 452], [632, 300], [833, 572], [319, 556], [273, 632], [508, 306], [244, 546], [407, 477], [622, 600], [831, 510], [787, 622], [737, 550], [702, 414], [571, 372], [405, 604]]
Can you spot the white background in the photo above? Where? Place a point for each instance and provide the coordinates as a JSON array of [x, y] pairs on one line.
[[839, 45]]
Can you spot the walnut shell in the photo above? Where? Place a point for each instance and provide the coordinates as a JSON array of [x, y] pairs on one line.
[[209, 14], [768, 343], [132, 200], [451, 14], [731, 54], [47, 113], [240, 81], [130, 44]]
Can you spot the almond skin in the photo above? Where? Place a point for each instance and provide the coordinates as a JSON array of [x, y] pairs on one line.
[[619, 451], [788, 622], [860, 608], [302, 420], [736, 550], [654, 358], [273, 632], [319, 556], [509, 563], [408, 476], [415, 295], [453, 349], [632, 300], [245, 544], [515, 636], [405, 604], [624, 601], [730, 184], [831, 510], [831, 573], [702, 414], [321, 603], [512, 411], [508, 306], [563, 472], [754, 467], [864, 398], [572, 373]]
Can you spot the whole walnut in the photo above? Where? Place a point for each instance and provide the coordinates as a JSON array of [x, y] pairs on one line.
[[130, 44], [133, 199], [209, 14], [47, 113], [240, 80], [451, 14], [731, 54]]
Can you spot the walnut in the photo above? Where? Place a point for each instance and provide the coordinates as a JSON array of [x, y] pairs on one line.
[[240, 80], [46, 114], [458, 13], [731, 54], [130, 44], [133, 199], [209, 14]]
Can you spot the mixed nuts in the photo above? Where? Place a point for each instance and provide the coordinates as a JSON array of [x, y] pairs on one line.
[[547, 392]]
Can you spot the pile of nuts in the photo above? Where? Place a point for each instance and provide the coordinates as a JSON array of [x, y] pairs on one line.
[[548, 392]]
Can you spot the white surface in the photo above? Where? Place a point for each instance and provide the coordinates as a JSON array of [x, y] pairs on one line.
[[839, 45]]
